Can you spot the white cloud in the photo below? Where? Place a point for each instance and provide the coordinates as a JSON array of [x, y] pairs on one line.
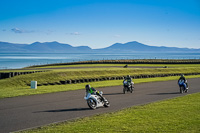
[[17, 30], [48, 32], [75, 33], [117, 36]]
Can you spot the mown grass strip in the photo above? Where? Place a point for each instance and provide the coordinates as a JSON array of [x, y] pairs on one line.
[[22, 91], [178, 115]]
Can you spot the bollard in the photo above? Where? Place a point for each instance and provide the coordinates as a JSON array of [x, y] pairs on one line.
[[33, 84]]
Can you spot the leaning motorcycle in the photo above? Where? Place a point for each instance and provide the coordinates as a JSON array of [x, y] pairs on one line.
[[95, 101], [127, 87], [182, 85]]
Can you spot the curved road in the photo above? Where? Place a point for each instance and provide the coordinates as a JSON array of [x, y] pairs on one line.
[[32, 111], [35, 68]]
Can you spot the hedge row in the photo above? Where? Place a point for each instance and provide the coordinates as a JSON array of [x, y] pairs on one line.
[[111, 78]]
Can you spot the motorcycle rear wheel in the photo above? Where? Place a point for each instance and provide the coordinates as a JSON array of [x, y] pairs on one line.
[[106, 104], [132, 89]]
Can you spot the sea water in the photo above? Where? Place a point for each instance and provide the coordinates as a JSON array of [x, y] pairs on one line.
[[20, 60]]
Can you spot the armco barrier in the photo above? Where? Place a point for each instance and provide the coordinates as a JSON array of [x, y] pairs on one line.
[[12, 74], [111, 78]]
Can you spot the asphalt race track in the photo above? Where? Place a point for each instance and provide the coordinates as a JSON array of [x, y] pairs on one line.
[[38, 68], [32, 111]]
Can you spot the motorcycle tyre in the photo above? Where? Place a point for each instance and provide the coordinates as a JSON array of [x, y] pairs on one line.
[[181, 89], [132, 89], [106, 104], [92, 107], [124, 90]]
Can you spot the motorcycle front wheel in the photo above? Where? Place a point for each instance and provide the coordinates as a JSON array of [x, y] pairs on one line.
[[92, 103], [131, 90], [181, 89], [124, 90], [186, 90]]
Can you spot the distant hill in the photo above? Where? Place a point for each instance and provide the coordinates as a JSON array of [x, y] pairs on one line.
[[139, 47], [11, 47], [56, 47], [46, 47]]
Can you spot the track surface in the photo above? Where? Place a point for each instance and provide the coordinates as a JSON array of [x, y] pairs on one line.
[[37, 68], [37, 110]]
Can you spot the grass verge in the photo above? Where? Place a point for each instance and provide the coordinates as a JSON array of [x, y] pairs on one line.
[[22, 91], [178, 115]]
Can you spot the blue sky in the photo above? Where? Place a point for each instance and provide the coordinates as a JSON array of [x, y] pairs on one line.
[[100, 23]]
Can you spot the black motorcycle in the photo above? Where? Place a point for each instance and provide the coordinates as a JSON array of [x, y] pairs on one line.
[[128, 87]]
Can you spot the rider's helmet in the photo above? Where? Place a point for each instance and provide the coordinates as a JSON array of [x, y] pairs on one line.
[[87, 87], [128, 76], [182, 75]]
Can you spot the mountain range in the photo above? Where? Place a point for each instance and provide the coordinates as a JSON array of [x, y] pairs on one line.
[[56, 47]]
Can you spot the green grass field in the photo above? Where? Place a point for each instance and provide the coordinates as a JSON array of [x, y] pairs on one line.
[[178, 115]]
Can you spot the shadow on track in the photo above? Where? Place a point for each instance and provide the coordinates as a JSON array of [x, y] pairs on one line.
[[113, 94], [165, 93], [64, 110]]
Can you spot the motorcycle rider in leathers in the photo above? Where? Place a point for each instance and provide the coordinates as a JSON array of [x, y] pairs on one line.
[[129, 80], [185, 81], [92, 90]]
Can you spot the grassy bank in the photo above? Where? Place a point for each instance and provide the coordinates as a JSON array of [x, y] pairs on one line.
[[178, 115], [73, 74], [21, 91]]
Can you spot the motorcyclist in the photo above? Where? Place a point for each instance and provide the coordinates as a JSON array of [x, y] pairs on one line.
[[184, 79], [92, 90], [129, 80]]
